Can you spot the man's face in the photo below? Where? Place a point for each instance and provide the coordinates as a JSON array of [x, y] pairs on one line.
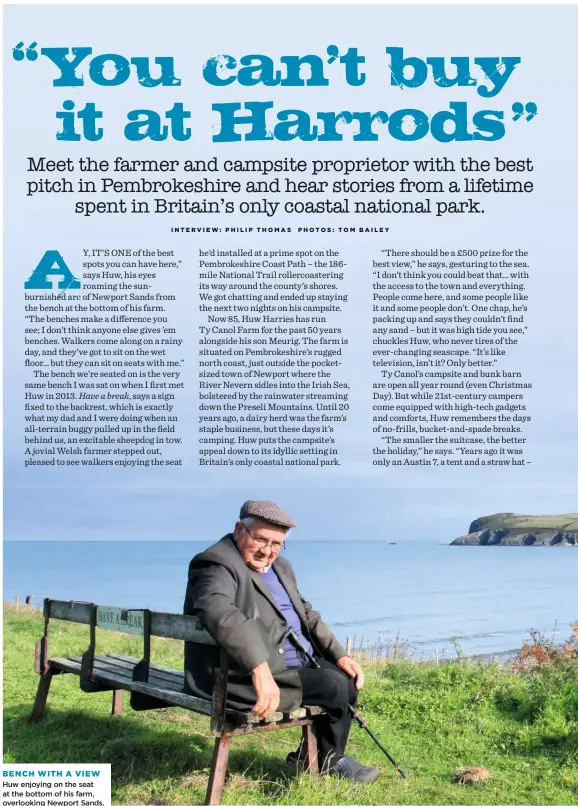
[[259, 544]]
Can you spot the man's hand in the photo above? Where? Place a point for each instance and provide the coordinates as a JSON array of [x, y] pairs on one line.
[[268, 693], [353, 669]]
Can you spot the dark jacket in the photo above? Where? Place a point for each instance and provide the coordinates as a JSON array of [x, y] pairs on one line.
[[234, 604]]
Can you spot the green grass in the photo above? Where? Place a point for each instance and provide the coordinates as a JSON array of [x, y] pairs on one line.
[[522, 727]]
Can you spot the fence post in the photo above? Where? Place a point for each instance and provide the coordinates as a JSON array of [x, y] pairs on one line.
[[348, 646]]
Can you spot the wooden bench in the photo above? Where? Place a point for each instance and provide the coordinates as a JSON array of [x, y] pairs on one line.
[[153, 686]]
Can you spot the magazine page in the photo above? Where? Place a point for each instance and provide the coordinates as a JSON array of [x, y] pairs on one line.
[[290, 404]]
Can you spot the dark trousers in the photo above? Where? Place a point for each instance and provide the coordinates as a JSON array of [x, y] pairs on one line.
[[333, 690]]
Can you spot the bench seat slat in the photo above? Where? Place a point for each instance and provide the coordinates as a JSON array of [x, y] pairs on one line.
[[158, 679], [156, 666], [103, 671], [103, 667], [299, 713], [66, 664], [168, 689], [104, 663], [176, 698], [126, 668]]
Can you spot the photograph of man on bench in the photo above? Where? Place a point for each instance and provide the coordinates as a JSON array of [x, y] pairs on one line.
[[245, 594]]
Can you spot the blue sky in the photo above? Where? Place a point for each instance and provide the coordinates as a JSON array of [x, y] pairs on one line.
[[437, 514]]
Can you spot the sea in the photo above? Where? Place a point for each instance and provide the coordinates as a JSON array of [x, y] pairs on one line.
[[417, 597]]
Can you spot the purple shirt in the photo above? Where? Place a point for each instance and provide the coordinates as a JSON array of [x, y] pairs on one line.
[[285, 605]]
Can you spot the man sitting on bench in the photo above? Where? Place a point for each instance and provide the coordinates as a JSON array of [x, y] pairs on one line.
[[245, 594]]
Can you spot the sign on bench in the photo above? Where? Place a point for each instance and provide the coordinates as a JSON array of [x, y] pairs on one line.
[[119, 620]]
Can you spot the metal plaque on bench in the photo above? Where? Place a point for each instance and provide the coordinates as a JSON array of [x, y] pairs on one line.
[[120, 620]]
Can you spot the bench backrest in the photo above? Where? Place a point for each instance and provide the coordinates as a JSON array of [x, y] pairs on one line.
[[129, 620]]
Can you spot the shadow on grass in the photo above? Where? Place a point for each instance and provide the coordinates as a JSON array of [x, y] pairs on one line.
[[138, 751]]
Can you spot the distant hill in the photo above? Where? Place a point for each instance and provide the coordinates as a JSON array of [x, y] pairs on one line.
[[509, 529]]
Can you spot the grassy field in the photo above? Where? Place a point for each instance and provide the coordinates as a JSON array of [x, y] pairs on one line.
[[522, 726]]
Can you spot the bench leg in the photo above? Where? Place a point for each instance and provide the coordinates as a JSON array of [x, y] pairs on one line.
[[218, 771], [310, 742], [42, 694], [117, 702]]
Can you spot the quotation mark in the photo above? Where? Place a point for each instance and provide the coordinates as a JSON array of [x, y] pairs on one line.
[[333, 53], [530, 110], [30, 53]]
